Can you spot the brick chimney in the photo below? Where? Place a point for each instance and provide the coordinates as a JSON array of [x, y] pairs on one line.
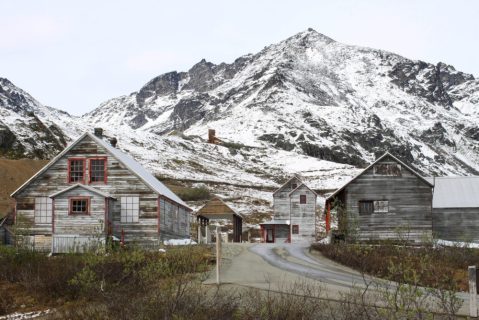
[[211, 136], [113, 142], [98, 132]]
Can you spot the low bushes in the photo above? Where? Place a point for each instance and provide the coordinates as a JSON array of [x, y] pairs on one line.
[[443, 267], [194, 194]]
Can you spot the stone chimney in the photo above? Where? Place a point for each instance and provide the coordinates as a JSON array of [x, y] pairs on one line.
[[113, 142], [98, 132]]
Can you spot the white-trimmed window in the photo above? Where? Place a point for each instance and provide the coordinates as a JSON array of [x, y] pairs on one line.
[[43, 210], [130, 209]]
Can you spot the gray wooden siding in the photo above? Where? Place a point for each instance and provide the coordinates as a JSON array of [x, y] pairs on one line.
[[281, 205], [456, 224], [91, 224], [410, 206], [303, 215], [120, 182]]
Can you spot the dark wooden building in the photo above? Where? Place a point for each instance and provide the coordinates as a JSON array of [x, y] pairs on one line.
[[92, 190], [294, 214], [388, 200], [456, 208], [217, 209]]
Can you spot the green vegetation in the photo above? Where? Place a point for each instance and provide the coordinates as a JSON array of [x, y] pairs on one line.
[[194, 194], [137, 284], [441, 267]]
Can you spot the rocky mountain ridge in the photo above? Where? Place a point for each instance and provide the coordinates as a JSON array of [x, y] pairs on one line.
[[307, 105]]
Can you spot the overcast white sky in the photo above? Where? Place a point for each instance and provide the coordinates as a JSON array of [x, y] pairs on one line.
[[73, 55]]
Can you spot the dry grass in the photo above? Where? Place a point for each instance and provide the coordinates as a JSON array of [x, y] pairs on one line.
[[13, 173]]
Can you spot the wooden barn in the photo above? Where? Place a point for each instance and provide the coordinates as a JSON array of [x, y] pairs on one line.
[[217, 209], [388, 200], [455, 209], [294, 214], [92, 190]]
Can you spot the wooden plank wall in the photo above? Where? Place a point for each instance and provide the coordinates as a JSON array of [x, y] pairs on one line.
[[456, 224], [281, 205], [303, 215], [410, 206], [79, 224], [121, 182], [174, 221]]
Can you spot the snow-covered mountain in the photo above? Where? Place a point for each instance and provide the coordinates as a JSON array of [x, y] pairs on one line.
[[29, 129], [308, 104]]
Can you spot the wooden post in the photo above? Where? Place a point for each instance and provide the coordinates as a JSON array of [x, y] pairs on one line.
[[472, 292], [199, 233], [328, 219], [207, 234], [218, 254]]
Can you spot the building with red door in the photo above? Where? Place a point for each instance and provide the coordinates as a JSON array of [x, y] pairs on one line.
[[294, 219]]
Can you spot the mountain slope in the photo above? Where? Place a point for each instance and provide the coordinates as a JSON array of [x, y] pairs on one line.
[[29, 129], [314, 96], [307, 105]]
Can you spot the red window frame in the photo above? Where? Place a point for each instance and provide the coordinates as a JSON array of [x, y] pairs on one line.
[[302, 199], [295, 229], [70, 206], [105, 171], [69, 170]]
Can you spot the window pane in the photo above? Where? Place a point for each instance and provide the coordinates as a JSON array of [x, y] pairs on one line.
[[302, 199], [79, 206], [43, 210], [76, 170], [97, 170], [130, 209]]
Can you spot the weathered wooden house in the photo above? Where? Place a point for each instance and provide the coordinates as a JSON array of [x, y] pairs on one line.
[[455, 208], [294, 214], [388, 200], [92, 190], [217, 209]]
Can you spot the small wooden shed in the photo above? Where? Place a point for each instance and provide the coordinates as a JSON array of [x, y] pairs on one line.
[[217, 209]]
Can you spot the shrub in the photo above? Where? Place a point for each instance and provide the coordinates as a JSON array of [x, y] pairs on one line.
[[195, 194]]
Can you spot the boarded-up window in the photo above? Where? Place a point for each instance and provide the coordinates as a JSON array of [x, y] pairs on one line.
[[79, 206], [97, 170], [76, 170], [130, 209], [387, 169], [366, 207], [302, 199], [381, 206], [43, 210], [295, 229]]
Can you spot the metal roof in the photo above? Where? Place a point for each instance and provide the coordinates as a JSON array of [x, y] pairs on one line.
[[91, 189], [456, 192], [125, 159]]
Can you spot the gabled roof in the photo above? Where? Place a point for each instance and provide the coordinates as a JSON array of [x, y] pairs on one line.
[[302, 184], [125, 159], [286, 183], [91, 189], [387, 154], [216, 207], [456, 192]]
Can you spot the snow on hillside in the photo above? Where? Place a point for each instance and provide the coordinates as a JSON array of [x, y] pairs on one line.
[[307, 105]]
